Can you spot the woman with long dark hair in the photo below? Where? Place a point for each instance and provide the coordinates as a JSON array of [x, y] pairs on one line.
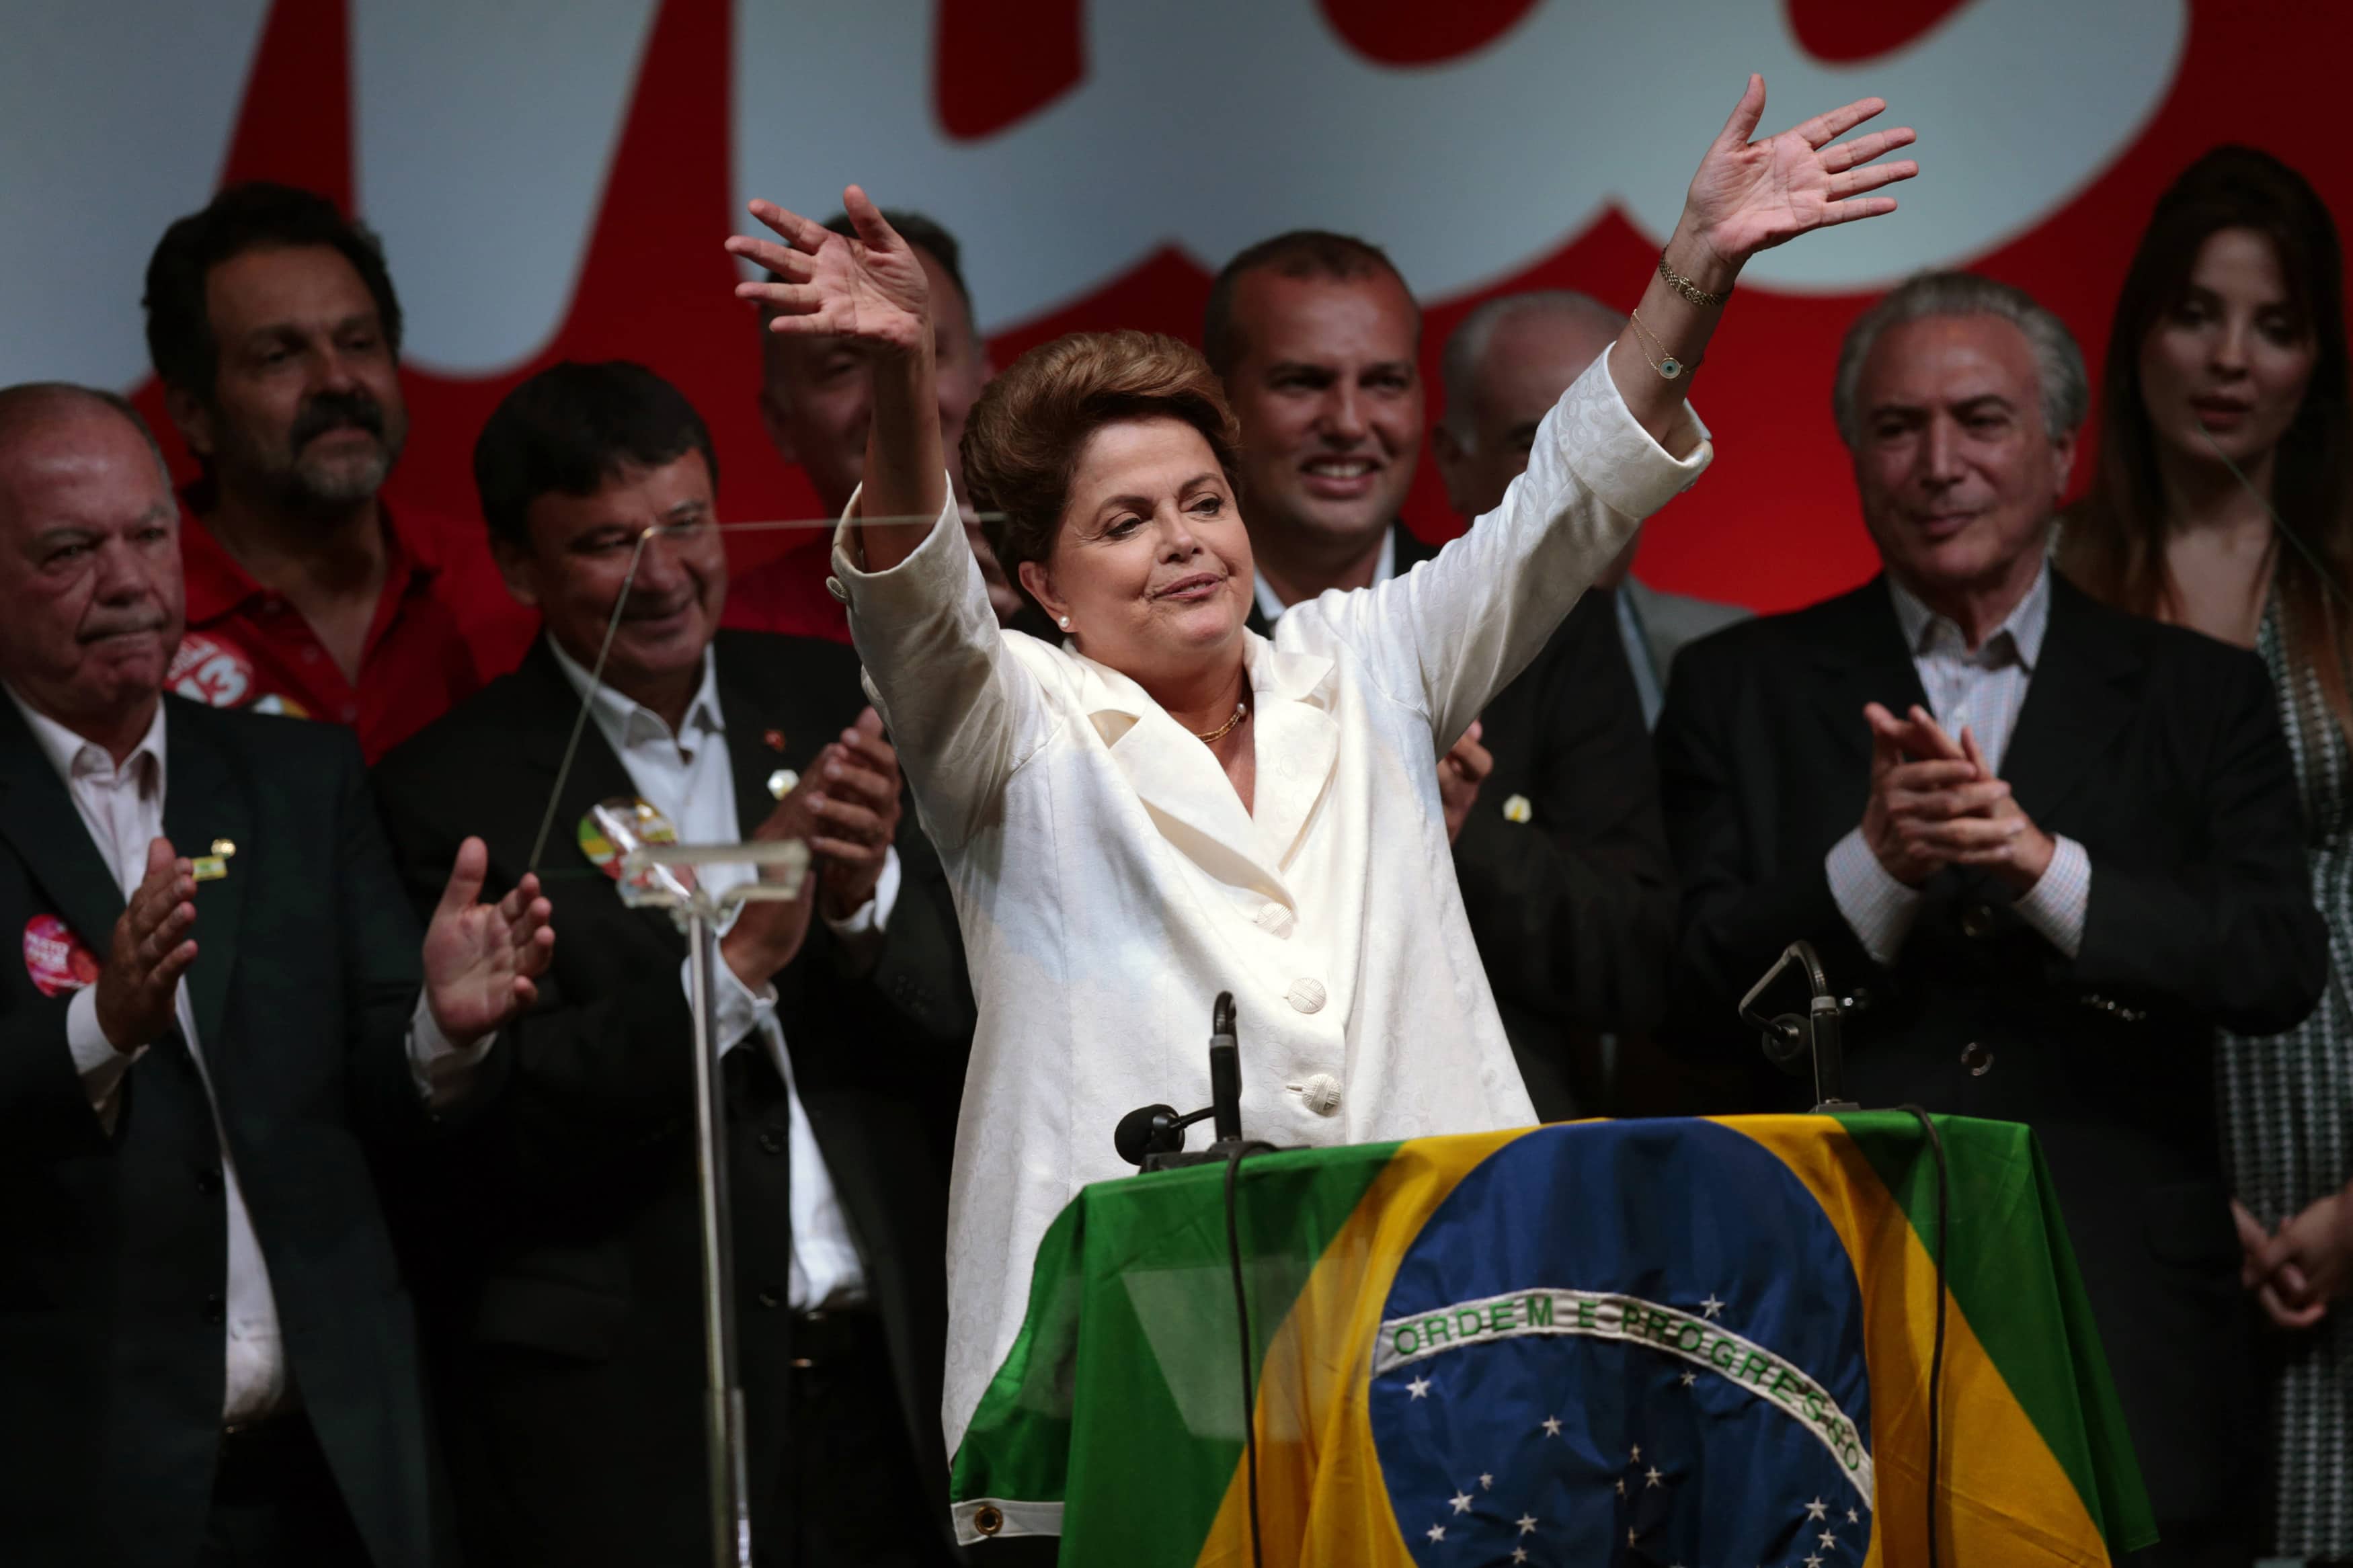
[[2223, 500]]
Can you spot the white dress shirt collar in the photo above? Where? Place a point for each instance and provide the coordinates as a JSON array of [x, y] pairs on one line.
[[627, 724], [1926, 631], [75, 757], [1270, 603]]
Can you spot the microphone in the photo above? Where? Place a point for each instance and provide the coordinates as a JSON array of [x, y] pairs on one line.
[[1151, 1130], [1153, 1136], [1225, 1070], [1793, 1042]]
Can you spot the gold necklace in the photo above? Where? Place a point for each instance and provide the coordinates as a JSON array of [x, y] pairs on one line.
[[1222, 731]]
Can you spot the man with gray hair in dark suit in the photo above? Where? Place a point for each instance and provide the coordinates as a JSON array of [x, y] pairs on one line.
[[2043, 849]]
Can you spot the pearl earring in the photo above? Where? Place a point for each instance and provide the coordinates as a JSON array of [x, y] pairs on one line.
[[1066, 623]]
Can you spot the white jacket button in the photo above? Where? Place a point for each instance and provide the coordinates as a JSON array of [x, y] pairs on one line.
[[1307, 994], [1275, 920], [1320, 1094]]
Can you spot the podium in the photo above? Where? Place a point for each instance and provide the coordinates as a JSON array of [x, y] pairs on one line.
[[1683, 1341]]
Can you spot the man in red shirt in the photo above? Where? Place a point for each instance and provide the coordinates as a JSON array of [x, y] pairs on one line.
[[273, 325], [816, 397]]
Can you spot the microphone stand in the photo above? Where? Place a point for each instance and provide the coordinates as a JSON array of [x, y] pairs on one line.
[[650, 879], [1787, 1035]]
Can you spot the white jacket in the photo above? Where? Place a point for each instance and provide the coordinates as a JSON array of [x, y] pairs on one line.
[[1110, 883]]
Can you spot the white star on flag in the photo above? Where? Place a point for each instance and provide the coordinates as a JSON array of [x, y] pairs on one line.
[[1650, 1478], [1622, 1486], [1487, 1483], [1462, 1502], [1813, 1562], [1438, 1533], [1632, 1535], [1852, 1516], [1712, 1306], [1827, 1538], [1816, 1508], [1418, 1387], [1690, 1378], [1519, 1555], [1638, 1455], [1552, 1426], [1527, 1524]]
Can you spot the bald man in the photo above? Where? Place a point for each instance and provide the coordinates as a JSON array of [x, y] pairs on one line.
[[206, 1356], [1505, 368]]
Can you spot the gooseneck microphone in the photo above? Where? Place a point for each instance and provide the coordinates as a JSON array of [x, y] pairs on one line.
[[1225, 1070], [1153, 1136], [1793, 1042], [1153, 1129]]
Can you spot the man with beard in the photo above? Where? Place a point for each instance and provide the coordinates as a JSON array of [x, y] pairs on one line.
[[273, 326], [1551, 799]]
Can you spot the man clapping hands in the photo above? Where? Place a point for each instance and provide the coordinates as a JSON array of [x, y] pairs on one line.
[[203, 1341]]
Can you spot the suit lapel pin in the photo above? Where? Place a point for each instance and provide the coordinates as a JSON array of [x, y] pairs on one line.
[[1517, 809], [212, 867], [776, 740]]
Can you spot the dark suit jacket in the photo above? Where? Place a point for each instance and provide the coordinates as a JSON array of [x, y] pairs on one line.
[[567, 1303], [2160, 752], [1573, 908], [114, 1262]]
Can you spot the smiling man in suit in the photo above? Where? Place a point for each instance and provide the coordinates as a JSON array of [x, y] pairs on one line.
[[1551, 801], [2046, 849], [570, 1352], [206, 1356]]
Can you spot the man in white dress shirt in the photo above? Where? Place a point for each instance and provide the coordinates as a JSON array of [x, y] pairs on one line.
[[2043, 848], [569, 1341], [1551, 799], [206, 1356]]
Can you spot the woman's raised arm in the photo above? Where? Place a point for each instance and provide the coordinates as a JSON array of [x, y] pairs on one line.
[[1746, 196], [873, 289]]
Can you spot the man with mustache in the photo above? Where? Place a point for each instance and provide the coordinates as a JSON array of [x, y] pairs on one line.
[[216, 1011], [1550, 798], [2043, 848], [273, 326], [571, 1368]]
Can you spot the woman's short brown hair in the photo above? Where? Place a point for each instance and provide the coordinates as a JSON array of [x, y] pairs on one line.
[[1022, 441]]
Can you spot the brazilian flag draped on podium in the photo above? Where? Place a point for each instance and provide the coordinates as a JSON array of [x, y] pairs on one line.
[[1696, 1342]]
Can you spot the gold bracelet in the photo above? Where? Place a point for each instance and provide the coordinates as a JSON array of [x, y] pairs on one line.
[[1687, 289], [1666, 365]]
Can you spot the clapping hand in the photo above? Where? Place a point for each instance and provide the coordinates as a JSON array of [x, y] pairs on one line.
[[137, 986], [1749, 196], [857, 805], [871, 287], [481, 961], [1461, 771], [1935, 802]]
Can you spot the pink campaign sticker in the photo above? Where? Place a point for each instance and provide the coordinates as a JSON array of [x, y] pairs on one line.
[[56, 958]]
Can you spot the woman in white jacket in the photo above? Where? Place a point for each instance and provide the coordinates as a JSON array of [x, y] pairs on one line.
[[1169, 806]]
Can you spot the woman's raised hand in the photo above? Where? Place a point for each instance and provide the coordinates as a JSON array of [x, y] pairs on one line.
[[1752, 195], [870, 288]]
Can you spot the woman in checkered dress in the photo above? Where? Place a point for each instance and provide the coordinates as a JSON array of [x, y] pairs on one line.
[[2223, 500]]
